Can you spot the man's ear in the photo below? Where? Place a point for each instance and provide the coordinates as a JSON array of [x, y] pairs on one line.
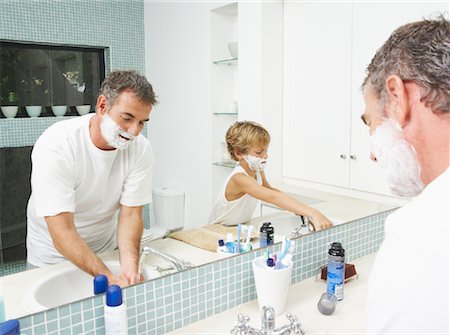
[[101, 104], [397, 101]]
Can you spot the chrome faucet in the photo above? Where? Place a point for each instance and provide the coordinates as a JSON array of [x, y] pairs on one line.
[[305, 228], [177, 263], [268, 325]]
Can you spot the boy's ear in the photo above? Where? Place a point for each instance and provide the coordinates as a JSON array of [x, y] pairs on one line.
[[237, 153]]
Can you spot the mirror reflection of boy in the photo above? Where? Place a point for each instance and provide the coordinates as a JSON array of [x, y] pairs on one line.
[[247, 143]]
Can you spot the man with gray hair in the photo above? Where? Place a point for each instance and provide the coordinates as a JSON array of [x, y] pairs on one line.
[[407, 98], [91, 177]]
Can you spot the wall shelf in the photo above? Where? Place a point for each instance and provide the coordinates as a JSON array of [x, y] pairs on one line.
[[231, 61], [225, 114], [230, 164]]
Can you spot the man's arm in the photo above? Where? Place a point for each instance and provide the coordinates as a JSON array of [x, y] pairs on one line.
[[129, 233], [69, 244]]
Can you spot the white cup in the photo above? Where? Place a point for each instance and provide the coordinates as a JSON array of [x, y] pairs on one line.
[[232, 107], [272, 285]]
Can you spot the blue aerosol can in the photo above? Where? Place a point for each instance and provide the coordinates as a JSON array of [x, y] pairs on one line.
[[336, 270]]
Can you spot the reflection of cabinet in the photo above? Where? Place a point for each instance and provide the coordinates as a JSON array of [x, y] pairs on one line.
[[224, 74], [324, 138]]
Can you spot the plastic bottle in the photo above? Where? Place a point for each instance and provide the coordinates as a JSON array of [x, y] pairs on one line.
[[115, 312], [221, 247], [270, 231], [263, 235], [231, 246], [336, 270], [100, 284]]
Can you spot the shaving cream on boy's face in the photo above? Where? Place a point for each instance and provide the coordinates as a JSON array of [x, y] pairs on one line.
[[255, 163], [397, 159], [115, 136]]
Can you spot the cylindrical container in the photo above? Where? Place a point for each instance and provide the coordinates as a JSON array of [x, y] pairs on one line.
[[115, 312], [100, 284], [266, 234], [336, 270], [270, 232], [272, 285], [168, 206]]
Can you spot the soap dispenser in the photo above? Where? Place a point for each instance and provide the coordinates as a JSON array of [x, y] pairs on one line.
[[115, 312]]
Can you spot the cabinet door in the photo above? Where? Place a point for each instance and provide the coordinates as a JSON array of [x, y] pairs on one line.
[[373, 23], [317, 85]]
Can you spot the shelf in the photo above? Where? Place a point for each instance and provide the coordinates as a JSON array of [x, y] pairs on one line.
[[230, 61], [229, 164], [224, 113]]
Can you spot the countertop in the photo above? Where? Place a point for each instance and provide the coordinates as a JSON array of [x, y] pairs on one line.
[[348, 318]]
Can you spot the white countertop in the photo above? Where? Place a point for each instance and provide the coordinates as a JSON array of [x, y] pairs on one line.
[[348, 318]]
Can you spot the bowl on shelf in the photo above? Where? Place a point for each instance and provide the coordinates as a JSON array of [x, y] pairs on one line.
[[33, 111], [233, 49], [10, 111], [83, 109], [59, 110]]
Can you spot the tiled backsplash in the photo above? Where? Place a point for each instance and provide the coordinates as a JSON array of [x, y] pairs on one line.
[[174, 301]]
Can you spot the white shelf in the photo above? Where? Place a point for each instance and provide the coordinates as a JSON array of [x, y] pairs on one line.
[[231, 61], [226, 114], [230, 164]]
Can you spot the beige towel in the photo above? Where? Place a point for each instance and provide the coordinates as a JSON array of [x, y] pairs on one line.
[[206, 237]]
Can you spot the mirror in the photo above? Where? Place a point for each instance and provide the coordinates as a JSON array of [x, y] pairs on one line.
[[340, 209]]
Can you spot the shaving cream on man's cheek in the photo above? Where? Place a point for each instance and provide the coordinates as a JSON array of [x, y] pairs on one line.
[[397, 158], [115, 136]]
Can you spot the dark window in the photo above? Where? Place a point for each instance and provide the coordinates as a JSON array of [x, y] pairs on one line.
[[46, 75]]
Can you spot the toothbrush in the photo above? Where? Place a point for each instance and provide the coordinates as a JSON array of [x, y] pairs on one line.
[[286, 245], [239, 238], [247, 240]]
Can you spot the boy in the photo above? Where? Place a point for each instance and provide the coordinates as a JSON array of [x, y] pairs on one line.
[[247, 143]]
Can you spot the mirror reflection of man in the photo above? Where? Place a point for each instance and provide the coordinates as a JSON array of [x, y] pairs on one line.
[[91, 176], [407, 97]]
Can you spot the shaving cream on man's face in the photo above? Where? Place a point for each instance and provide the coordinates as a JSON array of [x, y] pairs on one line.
[[255, 163], [397, 159], [115, 136]]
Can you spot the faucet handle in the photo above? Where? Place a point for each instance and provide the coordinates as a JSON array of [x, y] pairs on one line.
[[296, 325], [241, 325]]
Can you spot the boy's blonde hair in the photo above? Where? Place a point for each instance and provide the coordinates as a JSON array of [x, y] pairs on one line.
[[243, 135]]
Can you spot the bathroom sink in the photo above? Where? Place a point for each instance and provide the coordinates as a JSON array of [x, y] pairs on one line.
[[67, 285], [285, 224]]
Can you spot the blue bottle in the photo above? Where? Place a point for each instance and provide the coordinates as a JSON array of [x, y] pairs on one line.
[[336, 270], [100, 284]]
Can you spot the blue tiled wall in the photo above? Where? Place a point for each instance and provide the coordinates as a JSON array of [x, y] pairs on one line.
[[165, 304]]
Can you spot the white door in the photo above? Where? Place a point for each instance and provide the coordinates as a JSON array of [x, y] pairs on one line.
[[373, 23], [317, 86]]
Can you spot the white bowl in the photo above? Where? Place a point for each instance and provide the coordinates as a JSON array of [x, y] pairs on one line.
[[59, 110], [33, 111], [233, 49], [10, 111], [83, 110]]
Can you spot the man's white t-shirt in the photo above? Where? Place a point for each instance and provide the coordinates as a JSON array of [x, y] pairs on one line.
[[70, 174], [409, 283], [231, 213]]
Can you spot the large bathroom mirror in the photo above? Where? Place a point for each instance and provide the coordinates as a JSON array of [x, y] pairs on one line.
[[173, 152]]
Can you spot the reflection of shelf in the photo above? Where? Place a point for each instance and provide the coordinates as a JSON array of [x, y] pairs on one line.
[[226, 61], [233, 114], [229, 164]]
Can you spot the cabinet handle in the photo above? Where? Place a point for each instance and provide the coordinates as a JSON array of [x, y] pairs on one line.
[[353, 157], [343, 156]]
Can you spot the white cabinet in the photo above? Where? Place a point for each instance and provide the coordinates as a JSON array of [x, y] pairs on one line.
[[327, 49], [224, 77]]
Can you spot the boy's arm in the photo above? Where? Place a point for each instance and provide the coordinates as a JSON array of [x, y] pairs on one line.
[[265, 183], [241, 183]]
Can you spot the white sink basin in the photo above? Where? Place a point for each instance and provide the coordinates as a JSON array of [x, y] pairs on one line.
[[67, 285]]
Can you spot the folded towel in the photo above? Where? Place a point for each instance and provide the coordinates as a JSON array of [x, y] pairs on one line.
[[206, 237]]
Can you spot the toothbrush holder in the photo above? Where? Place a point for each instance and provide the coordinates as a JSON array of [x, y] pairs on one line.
[[272, 285]]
